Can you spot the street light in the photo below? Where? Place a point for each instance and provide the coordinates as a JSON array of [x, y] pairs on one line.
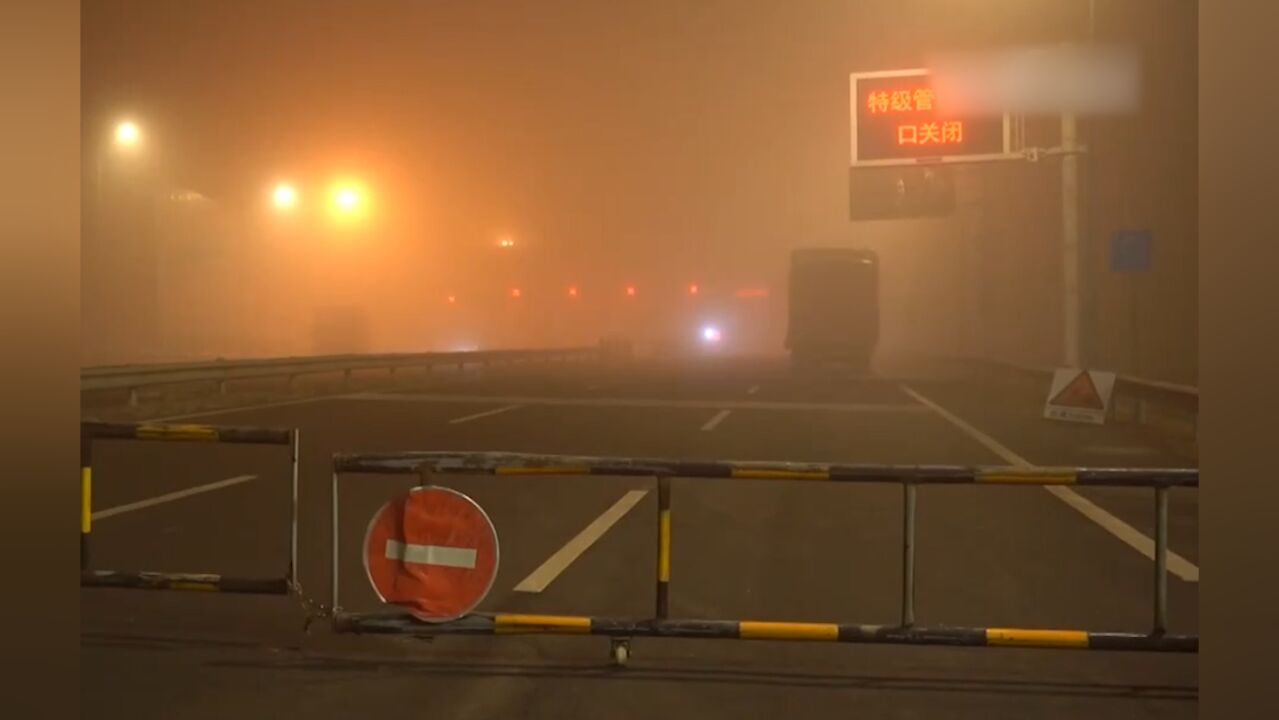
[[127, 134], [348, 201], [284, 197]]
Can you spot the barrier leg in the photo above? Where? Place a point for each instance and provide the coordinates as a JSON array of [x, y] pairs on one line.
[[908, 554], [620, 647], [334, 594], [292, 578], [86, 497], [1161, 560], [663, 546]]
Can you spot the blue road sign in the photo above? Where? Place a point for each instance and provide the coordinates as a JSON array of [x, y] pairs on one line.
[[1130, 251]]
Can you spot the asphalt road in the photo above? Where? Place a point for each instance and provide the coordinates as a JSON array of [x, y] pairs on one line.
[[987, 556]]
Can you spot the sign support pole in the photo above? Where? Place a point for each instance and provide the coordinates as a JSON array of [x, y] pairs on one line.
[[1070, 222], [1070, 238], [1135, 323]]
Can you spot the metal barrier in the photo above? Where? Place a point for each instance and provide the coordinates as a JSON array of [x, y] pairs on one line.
[[660, 625], [94, 431], [133, 377]]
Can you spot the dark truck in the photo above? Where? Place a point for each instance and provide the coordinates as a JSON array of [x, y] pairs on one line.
[[833, 309]]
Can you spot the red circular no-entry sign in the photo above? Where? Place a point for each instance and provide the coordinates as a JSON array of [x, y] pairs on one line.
[[432, 550]]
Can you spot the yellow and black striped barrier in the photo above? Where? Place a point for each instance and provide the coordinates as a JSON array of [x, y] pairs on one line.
[[663, 546], [186, 433], [515, 623], [86, 496], [520, 464], [910, 477], [200, 582], [194, 582]]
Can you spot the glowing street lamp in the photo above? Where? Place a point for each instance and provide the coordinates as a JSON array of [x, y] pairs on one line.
[[127, 134], [284, 197], [348, 202], [346, 199]]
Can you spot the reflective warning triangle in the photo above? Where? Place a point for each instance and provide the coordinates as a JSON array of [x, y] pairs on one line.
[[1079, 393]]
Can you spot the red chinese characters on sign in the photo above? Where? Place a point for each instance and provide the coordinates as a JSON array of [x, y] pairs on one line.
[[949, 132], [909, 100], [900, 117], [952, 131]]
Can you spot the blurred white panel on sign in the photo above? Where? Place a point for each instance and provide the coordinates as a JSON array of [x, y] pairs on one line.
[[1040, 80]]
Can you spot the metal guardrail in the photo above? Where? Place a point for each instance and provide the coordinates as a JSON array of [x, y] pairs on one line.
[[133, 377], [620, 630], [143, 580]]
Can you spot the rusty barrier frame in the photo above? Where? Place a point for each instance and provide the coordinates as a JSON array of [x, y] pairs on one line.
[[910, 477], [207, 582]]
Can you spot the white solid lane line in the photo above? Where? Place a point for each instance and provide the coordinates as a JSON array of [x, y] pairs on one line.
[[1119, 450], [539, 579], [1177, 565], [478, 415], [170, 497], [248, 408], [716, 420]]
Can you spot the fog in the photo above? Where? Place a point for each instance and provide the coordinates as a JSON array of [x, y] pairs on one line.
[[648, 145]]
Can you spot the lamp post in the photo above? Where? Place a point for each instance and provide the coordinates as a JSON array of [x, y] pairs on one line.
[[126, 137]]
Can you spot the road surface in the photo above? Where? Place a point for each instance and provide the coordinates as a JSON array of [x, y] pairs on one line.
[[986, 556]]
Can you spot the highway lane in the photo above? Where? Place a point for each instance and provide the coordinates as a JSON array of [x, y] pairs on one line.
[[998, 556]]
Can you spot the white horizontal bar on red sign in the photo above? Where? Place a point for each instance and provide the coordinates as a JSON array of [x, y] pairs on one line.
[[431, 554]]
